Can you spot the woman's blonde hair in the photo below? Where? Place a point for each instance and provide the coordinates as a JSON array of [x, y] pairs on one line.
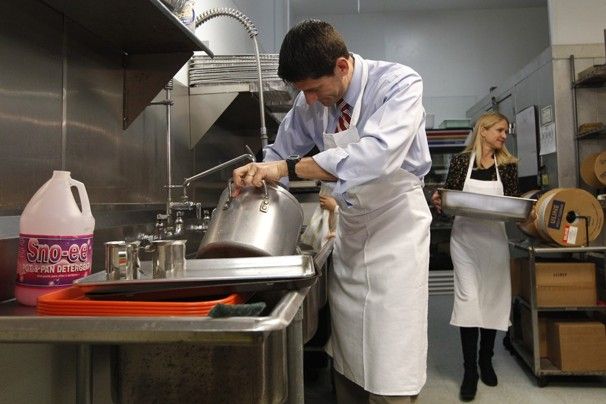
[[487, 121]]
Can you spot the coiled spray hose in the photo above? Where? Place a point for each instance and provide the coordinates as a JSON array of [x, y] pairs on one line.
[[252, 32]]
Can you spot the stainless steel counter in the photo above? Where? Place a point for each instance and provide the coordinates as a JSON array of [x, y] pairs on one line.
[[274, 340], [22, 324]]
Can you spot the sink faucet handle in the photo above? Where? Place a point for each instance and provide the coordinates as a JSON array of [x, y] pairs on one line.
[[206, 219], [183, 205], [179, 223], [161, 224]]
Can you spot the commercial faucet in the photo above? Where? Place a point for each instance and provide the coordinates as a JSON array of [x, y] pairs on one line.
[[247, 156], [252, 30], [166, 226]]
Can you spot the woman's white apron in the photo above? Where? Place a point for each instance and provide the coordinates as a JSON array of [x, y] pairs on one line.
[[480, 255]]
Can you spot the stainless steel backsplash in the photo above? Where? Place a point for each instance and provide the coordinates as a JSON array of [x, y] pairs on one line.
[[61, 99], [61, 109]]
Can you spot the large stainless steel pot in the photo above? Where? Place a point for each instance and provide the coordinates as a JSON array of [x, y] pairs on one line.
[[259, 222]]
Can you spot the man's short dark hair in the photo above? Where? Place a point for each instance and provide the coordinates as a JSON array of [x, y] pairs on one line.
[[310, 50]]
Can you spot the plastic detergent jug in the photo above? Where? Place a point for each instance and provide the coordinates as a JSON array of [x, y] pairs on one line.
[[55, 239]]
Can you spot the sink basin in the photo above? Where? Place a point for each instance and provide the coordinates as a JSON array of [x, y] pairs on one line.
[[172, 359], [317, 296], [226, 371]]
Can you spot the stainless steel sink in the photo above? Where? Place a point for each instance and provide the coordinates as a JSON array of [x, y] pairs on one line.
[[226, 371], [251, 359], [208, 360], [317, 296]]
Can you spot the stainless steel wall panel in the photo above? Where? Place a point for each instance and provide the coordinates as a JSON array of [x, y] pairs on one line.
[[93, 116], [239, 125], [116, 166], [30, 99]]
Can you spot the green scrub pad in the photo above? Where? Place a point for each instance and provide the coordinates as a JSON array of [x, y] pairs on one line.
[[237, 310]]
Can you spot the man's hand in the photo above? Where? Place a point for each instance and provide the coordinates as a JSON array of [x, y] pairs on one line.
[[254, 174]]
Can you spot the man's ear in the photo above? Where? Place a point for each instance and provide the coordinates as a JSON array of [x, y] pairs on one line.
[[342, 66]]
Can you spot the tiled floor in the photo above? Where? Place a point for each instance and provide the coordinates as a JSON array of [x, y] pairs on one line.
[[444, 372]]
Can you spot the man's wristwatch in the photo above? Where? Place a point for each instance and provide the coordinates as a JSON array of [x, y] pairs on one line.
[[291, 161]]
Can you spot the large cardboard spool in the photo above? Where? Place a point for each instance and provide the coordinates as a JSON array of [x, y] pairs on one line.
[[593, 169], [528, 226], [600, 167], [568, 217]]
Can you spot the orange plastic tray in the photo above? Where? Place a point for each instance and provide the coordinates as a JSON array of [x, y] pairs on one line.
[[73, 302]]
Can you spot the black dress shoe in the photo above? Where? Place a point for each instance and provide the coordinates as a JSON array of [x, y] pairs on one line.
[[487, 374], [469, 386]]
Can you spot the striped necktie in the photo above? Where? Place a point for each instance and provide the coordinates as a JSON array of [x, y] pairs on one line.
[[345, 117]]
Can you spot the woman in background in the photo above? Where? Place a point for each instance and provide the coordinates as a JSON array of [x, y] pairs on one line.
[[479, 249]]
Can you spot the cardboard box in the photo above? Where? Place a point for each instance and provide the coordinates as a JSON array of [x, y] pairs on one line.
[[526, 324], [577, 346], [561, 284]]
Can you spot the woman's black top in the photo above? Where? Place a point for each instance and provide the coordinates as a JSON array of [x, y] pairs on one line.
[[458, 171]]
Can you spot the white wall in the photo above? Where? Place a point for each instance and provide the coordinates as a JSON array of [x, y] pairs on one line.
[[227, 36], [577, 22], [459, 54]]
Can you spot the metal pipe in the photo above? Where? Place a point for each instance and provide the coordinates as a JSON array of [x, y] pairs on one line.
[[264, 139], [294, 335], [169, 171], [575, 117], [84, 384], [252, 32]]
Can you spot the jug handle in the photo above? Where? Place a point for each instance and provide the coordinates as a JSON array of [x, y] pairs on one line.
[[83, 196]]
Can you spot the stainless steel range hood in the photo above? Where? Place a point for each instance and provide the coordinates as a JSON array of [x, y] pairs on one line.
[[228, 85]]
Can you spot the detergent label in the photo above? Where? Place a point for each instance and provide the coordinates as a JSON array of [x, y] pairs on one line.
[[53, 260]]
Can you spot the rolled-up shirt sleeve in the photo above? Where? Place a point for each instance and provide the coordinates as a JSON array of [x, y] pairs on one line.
[[385, 137], [294, 136]]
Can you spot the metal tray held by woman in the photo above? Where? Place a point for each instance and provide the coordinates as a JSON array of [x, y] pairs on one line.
[[490, 207]]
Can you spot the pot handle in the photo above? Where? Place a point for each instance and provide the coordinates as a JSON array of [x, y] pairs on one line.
[[229, 197], [264, 203]]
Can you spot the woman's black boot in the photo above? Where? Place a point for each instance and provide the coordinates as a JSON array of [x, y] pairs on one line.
[[507, 342], [487, 337], [469, 342]]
